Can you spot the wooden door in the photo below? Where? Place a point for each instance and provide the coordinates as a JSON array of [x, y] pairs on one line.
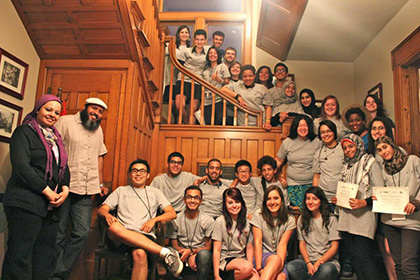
[[79, 84]]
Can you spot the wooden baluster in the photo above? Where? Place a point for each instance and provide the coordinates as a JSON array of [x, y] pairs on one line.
[[213, 107], [235, 115], [182, 104], [202, 105], [224, 112], [171, 89], [246, 119], [191, 119]]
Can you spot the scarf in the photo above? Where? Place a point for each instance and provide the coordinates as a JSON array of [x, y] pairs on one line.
[[360, 148], [312, 109], [30, 119], [399, 158], [284, 99]]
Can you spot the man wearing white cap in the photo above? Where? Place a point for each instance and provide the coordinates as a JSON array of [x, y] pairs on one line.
[[83, 138]]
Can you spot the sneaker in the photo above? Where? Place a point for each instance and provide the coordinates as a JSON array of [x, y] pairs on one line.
[[347, 271], [173, 263]]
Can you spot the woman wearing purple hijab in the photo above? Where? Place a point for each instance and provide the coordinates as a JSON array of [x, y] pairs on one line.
[[35, 191]]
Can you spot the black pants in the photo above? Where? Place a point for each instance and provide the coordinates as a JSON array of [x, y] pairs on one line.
[[404, 245], [31, 251], [218, 113], [360, 248]]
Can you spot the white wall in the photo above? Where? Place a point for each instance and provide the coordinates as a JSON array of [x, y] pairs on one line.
[[14, 39], [374, 64], [324, 78]]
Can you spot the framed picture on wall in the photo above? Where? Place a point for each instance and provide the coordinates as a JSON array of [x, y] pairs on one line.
[[10, 118], [13, 74], [377, 90]]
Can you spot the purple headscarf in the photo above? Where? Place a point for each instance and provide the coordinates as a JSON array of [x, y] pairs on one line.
[[31, 120]]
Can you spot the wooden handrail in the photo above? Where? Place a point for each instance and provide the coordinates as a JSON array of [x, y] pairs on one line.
[[205, 84]]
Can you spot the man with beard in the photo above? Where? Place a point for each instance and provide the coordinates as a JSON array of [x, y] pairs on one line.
[[175, 181], [213, 189], [190, 234], [230, 56], [83, 138]]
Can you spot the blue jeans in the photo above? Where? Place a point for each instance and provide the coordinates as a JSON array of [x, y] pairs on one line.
[[298, 271], [204, 262], [79, 209]]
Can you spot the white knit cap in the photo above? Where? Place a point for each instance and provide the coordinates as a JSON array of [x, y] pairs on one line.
[[96, 101]]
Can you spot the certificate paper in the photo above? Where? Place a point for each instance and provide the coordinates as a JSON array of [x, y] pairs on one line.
[[345, 191], [390, 200]]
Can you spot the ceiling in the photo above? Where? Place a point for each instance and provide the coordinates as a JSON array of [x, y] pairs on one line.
[[339, 30]]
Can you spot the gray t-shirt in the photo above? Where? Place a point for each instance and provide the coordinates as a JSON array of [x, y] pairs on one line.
[[194, 61], [190, 232], [361, 221], [299, 155], [273, 97], [233, 243], [249, 194], [409, 177], [329, 163], [223, 73], [257, 183], [272, 235], [212, 199], [136, 205], [318, 240], [253, 98], [173, 187]]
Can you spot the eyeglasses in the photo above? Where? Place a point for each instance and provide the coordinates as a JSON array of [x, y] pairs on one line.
[[243, 171], [141, 171], [281, 70], [190, 197], [325, 131], [175, 162]]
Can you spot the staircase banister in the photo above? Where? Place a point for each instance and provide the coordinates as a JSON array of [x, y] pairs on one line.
[[185, 71]]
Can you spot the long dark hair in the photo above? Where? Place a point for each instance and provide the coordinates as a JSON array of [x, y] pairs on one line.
[[337, 113], [323, 208], [270, 76], [236, 195], [266, 214], [178, 40], [388, 132], [380, 111], [294, 127], [219, 56]]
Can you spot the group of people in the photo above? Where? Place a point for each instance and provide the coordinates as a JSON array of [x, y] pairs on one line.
[[239, 228]]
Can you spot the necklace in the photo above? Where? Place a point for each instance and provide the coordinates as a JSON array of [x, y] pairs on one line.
[[326, 152], [189, 242], [274, 236], [147, 197]]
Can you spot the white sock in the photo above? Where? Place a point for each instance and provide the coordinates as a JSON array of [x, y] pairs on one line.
[[164, 252]]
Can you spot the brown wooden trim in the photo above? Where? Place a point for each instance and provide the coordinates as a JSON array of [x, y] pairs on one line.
[[405, 64]]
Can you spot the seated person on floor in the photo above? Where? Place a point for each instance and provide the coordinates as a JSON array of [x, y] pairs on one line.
[[132, 229], [190, 234]]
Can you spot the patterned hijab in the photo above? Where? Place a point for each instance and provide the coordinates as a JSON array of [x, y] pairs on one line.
[[399, 158], [284, 99], [360, 148], [30, 119]]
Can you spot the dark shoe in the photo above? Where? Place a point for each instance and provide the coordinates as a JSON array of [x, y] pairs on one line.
[[173, 263], [347, 271]]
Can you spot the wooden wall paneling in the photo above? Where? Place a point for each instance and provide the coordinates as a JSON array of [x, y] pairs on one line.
[[198, 145], [406, 64]]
